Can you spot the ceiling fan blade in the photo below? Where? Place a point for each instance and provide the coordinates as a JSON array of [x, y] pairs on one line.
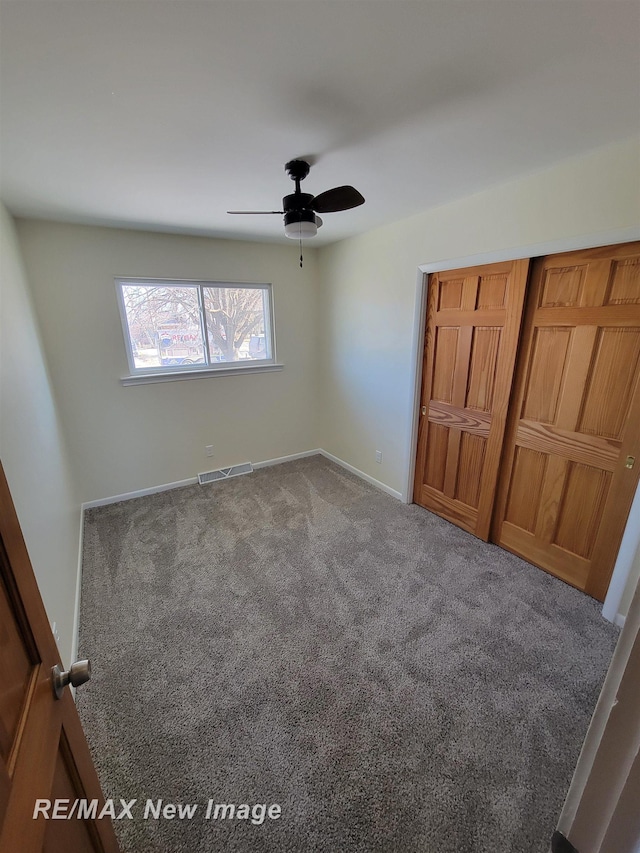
[[247, 212], [339, 198]]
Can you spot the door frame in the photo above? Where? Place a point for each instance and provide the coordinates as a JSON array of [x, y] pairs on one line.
[[600, 813], [533, 250]]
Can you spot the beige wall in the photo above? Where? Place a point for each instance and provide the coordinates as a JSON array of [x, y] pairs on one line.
[[32, 446], [369, 287], [125, 439]]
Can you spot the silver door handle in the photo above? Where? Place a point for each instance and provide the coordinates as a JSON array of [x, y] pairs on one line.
[[77, 674]]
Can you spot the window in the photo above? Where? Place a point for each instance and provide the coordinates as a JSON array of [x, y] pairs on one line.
[[173, 327]]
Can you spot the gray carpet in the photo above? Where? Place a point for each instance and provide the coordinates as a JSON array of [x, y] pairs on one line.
[[296, 637]]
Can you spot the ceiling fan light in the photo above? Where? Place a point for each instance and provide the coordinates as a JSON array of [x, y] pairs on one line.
[[300, 230]]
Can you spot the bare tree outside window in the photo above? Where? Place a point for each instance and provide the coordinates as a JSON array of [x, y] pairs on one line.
[[194, 325], [233, 315]]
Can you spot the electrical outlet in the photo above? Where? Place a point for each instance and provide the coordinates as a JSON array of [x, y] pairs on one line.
[[379, 456], [209, 450]]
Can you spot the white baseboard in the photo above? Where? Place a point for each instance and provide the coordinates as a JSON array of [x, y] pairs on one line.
[[616, 619], [191, 481], [165, 487], [75, 631], [140, 493], [382, 486], [280, 459]]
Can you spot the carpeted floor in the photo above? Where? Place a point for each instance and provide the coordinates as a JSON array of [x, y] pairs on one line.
[[296, 637]]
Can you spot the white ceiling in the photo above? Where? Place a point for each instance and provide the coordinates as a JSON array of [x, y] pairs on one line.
[[163, 114]]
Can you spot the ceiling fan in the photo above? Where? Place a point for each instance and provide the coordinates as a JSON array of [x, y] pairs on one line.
[[301, 209]]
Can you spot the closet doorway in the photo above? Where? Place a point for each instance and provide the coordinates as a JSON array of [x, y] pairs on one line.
[[530, 408]]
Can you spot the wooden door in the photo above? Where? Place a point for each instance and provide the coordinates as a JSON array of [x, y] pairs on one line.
[[42, 745], [573, 450], [473, 323]]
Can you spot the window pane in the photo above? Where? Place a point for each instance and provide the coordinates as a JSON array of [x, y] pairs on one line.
[[164, 325], [237, 322]]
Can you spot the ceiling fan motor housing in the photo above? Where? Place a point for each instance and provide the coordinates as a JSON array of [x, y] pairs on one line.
[[297, 202]]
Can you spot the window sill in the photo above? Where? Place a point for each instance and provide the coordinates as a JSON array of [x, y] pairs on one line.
[[149, 378]]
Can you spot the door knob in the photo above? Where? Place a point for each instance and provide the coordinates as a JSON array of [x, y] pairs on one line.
[[77, 674]]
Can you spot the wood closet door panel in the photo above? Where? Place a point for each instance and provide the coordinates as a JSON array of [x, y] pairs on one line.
[[473, 323], [566, 485]]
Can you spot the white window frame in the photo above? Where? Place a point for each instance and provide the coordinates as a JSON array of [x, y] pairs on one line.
[[194, 371]]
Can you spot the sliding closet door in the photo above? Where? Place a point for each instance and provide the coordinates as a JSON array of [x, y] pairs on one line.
[[473, 322], [573, 449]]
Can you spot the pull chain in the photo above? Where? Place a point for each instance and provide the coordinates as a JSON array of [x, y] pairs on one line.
[[300, 251]]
